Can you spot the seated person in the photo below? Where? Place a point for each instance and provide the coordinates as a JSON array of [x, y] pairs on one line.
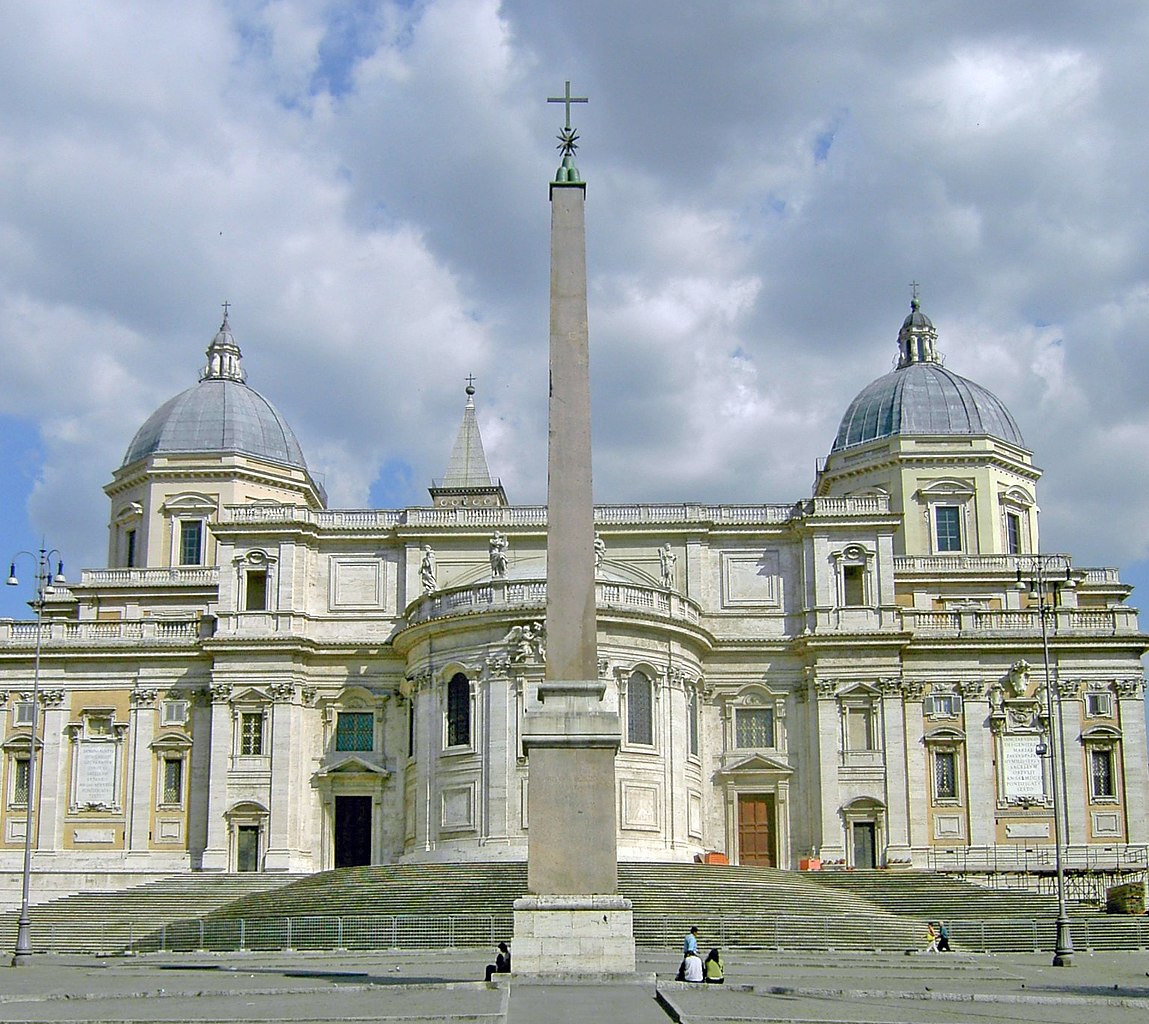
[[692, 968], [715, 974], [502, 964]]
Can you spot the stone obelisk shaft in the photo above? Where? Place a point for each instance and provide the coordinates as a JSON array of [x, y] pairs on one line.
[[569, 736], [572, 650], [572, 921]]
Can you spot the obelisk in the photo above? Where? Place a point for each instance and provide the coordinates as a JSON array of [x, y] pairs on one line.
[[573, 921]]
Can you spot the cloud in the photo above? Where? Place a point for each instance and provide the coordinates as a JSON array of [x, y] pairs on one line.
[[367, 184]]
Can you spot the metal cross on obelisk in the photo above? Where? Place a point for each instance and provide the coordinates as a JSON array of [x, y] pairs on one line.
[[573, 921]]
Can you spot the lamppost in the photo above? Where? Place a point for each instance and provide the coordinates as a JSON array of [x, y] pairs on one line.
[[45, 580], [1045, 575]]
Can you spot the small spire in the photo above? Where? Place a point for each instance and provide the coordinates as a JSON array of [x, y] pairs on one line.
[[468, 480], [223, 355]]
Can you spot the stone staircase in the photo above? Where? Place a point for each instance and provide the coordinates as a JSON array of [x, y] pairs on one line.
[[112, 921], [470, 905], [993, 920]]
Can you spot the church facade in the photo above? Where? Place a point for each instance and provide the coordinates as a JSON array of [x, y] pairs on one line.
[[257, 682]]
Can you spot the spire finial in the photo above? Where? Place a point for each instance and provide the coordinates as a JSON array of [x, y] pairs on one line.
[[470, 378], [915, 303], [226, 306], [568, 139]]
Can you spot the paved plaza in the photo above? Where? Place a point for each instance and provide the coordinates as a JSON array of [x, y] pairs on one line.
[[440, 986]]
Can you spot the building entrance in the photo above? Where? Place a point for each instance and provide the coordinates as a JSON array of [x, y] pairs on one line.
[[864, 845], [756, 829], [247, 848], [352, 831]]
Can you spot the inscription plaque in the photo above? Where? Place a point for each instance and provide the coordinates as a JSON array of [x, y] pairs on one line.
[[96, 773], [1021, 769]]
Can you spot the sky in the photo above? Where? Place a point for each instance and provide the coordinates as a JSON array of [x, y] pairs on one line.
[[366, 184]]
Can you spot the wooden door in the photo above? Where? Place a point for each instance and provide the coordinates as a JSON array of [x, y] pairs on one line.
[[756, 829]]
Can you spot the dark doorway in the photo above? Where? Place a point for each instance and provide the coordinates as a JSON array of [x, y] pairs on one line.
[[247, 848], [864, 845], [756, 829], [352, 831]]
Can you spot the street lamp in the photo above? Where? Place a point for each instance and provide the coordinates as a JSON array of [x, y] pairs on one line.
[[45, 580], [1045, 575]]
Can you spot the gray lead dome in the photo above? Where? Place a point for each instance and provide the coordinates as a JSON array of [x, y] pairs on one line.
[[219, 414], [922, 397]]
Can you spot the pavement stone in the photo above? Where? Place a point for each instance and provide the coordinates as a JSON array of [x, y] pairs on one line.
[[392, 988]]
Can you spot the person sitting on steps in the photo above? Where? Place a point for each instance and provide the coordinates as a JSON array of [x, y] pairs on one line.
[[502, 964]]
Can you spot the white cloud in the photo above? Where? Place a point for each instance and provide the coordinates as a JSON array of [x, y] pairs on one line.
[[367, 185]]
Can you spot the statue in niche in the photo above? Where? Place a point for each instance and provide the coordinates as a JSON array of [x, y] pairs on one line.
[[1017, 679], [498, 547], [526, 642], [429, 570], [599, 552], [668, 566]]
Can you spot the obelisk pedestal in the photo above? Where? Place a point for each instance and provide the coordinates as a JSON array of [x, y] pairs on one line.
[[573, 921]]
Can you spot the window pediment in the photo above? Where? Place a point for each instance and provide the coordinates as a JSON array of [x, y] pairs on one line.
[[757, 763], [351, 765], [1100, 734], [944, 736]]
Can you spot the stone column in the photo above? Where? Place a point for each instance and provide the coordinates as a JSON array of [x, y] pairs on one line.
[[141, 730], [215, 854], [830, 838], [52, 778], [573, 921]]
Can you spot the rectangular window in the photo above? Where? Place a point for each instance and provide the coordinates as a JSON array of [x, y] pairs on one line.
[[173, 780], [1013, 533], [20, 782], [175, 712], [355, 730], [459, 711], [251, 733], [255, 598], [860, 729], [130, 548], [22, 713], [411, 727], [854, 585], [692, 715], [948, 521], [1101, 772], [1098, 705], [191, 542], [754, 727], [942, 705], [945, 775]]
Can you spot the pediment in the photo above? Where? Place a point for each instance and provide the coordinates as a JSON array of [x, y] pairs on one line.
[[757, 763], [352, 764]]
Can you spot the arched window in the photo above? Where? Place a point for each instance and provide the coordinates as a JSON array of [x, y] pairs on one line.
[[639, 709], [459, 711]]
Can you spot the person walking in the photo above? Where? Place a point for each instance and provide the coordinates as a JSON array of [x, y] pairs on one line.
[[943, 938], [689, 947]]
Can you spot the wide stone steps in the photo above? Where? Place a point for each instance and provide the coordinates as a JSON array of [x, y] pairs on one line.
[[468, 905], [110, 921]]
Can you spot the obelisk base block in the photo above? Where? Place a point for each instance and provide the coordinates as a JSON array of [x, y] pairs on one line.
[[571, 935]]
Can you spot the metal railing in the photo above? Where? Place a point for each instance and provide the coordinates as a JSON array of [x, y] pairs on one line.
[[1039, 859], [473, 931]]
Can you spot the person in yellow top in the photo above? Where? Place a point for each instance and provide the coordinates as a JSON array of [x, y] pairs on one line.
[[713, 968]]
